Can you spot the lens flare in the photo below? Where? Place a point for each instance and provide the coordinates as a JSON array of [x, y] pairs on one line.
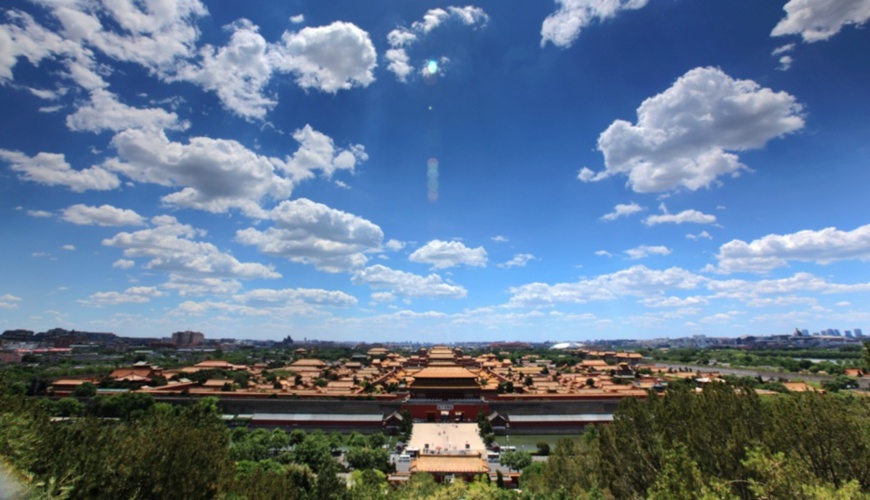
[[432, 66], [432, 179]]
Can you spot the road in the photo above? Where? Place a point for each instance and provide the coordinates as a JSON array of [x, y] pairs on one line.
[[864, 382]]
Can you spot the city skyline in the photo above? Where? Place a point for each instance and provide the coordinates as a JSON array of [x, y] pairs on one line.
[[390, 170]]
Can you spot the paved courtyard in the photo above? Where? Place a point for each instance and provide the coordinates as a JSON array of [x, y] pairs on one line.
[[446, 438]]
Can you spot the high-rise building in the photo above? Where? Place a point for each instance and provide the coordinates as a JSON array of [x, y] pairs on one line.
[[858, 332], [187, 338]]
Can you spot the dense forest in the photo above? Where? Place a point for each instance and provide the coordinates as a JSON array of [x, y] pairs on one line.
[[724, 442]]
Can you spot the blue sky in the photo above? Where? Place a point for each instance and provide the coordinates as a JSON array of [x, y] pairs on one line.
[[407, 170]]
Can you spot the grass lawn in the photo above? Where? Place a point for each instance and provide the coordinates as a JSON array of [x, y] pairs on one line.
[[529, 442]]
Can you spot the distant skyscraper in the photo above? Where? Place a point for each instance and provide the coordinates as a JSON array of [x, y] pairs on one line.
[[187, 338], [858, 332]]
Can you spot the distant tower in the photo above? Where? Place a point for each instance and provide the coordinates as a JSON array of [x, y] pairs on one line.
[[187, 338]]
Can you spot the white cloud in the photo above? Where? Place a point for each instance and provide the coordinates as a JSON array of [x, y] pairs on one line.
[[383, 297], [105, 112], [563, 26], [394, 245], [399, 63], [313, 233], [8, 301], [444, 254], [275, 298], [237, 73], [622, 210], [499, 239], [603, 253], [703, 235], [674, 302], [69, 248], [329, 58], [747, 291], [405, 284], [105, 215], [186, 285], [42, 214], [170, 246], [153, 33], [52, 170], [402, 38], [685, 217], [682, 135], [134, 295], [23, 37], [123, 264], [775, 250], [634, 281], [783, 49], [644, 251], [217, 175], [785, 63], [317, 151], [817, 20], [519, 260], [298, 19]]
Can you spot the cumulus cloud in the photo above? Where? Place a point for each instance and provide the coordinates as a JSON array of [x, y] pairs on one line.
[[644, 251], [519, 260], [394, 245], [51, 169], [105, 112], [775, 250], [330, 58], [134, 295], [562, 27], [8, 301], [317, 151], [406, 284], [748, 291], [444, 254], [703, 235], [312, 233], [402, 38], [41, 214], [637, 281], [683, 135], [816, 20], [690, 216], [68, 248], [622, 210], [123, 264], [217, 175], [237, 72], [287, 296], [187, 285], [24, 37], [153, 33], [105, 215], [171, 247]]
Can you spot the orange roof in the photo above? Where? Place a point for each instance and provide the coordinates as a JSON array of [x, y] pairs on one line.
[[308, 362], [445, 372], [450, 464]]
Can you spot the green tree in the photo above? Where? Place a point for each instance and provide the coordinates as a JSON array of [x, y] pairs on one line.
[[86, 390], [516, 460]]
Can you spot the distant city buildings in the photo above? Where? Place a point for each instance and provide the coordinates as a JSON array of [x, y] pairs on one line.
[[187, 338]]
